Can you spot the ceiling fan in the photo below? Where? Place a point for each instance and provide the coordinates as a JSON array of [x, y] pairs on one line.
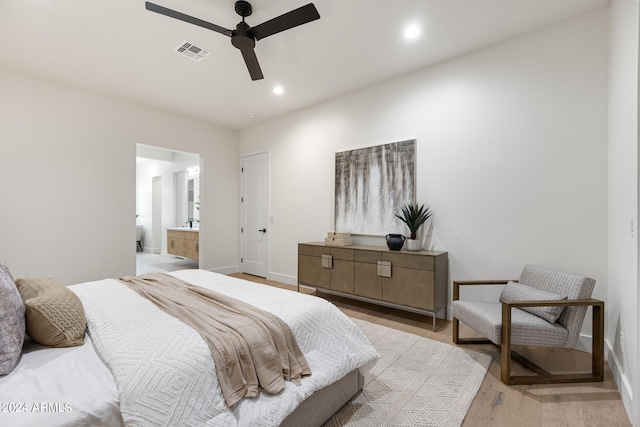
[[244, 37]]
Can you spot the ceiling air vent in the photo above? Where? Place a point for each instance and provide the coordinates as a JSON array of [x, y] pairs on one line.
[[192, 51]]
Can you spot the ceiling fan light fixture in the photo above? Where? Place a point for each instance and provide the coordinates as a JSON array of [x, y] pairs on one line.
[[278, 90]]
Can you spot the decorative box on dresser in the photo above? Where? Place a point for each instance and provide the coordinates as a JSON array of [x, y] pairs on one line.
[[412, 281]]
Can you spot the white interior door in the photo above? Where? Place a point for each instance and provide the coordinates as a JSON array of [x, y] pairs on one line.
[[254, 230]]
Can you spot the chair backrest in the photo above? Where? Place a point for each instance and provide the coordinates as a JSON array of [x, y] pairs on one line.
[[573, 286]]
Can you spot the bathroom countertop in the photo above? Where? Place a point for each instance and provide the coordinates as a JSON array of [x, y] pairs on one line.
[[183, 229]]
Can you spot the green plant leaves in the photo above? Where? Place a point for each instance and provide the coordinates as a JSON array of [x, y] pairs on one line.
[[414, 216]]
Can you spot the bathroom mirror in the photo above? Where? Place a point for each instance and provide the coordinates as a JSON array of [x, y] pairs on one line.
[[193, 197]]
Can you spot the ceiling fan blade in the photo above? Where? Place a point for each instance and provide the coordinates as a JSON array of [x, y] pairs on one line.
[[296, 17], [186, 18], [251, 60]]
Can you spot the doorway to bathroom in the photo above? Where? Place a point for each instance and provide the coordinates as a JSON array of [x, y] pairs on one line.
[[167, 209]]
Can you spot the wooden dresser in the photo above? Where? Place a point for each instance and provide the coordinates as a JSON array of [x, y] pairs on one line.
[[183, 242], [412, 281]]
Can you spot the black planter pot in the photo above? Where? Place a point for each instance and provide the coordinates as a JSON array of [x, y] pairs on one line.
[[395, 241]]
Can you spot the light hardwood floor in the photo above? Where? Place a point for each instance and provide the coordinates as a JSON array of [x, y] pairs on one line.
[[497, 405]]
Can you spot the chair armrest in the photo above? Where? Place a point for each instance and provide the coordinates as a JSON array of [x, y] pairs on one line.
[[553, 303], [597, 305], [458, 283]]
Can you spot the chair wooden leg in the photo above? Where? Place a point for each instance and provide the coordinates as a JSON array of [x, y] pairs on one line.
[[544, 377], [505, 352], [456, 336], [597, 345], [456, 323], [456, 330]]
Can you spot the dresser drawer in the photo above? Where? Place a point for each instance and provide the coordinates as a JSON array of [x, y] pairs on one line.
[[407, 260], [367, 283], [370, 257], [410, 287], [311, 272], [313, 250]]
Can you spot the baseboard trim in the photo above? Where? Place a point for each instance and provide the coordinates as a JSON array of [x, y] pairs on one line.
[[283, 278], [585, 343], [622, 381]]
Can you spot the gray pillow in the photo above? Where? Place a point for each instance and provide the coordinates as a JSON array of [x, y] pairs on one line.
[[12, 324], [519, 292]]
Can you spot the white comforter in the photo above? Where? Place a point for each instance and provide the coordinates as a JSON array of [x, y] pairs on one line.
[[58, 387], [164, 371]]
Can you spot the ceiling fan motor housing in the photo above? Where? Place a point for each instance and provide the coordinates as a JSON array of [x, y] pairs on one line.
[[242, 38]]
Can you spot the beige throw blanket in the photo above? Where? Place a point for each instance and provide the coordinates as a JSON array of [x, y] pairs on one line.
[[251, 348]]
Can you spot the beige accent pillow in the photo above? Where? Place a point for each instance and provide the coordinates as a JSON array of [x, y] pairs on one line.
[[55, 315]]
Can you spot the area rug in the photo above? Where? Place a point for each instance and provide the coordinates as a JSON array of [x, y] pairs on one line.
[[416, 382]]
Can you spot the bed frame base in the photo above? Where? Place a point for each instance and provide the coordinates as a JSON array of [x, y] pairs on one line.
[[321, 405]]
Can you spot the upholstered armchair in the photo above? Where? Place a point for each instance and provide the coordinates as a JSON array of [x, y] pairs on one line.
[[544, 308]]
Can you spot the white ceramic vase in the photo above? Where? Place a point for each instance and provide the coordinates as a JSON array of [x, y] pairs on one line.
[[413, 245]]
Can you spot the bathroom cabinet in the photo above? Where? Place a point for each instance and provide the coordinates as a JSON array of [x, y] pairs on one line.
[[412, 281], [183, 242]]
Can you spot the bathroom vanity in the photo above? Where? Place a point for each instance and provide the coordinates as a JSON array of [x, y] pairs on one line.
[[183, 242]]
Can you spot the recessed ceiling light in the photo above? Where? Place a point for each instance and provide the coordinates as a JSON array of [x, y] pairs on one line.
[[412, 32], [278, 90]]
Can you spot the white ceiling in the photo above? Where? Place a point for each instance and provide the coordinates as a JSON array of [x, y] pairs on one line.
[[119, 48]]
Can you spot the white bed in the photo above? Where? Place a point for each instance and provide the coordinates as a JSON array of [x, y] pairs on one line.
[[119, 377]]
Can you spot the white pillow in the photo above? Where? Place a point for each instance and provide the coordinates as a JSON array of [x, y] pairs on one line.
[[519, 292]]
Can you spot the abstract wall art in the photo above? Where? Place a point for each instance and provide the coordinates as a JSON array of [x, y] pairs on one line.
[[371, 184]]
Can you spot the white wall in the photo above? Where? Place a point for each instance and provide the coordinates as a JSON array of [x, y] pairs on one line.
[[511, 155], [67, 180], [622, 296]]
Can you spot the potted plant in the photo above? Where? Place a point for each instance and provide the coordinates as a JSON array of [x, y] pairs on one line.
[[414, 217]]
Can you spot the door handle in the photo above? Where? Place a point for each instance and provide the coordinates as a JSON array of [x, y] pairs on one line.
[[263, 230]]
